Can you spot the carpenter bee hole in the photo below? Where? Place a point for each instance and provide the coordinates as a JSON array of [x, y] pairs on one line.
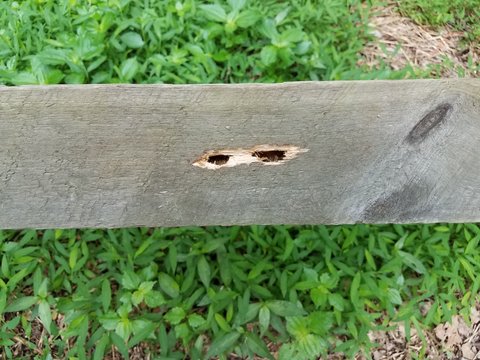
[[218, 159], [269, 155], [260, 154]]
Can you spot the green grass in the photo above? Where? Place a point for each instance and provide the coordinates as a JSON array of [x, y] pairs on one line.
[[206, 292], [313, 289], [50, 42]]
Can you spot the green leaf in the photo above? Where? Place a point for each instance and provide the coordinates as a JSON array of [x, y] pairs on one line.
[[52, 76], [281, 16], [21, 304], [168, 285], [264, 319], [132, 40], [100, 77], [182, 331], [269, 29], [222, 322], [100, 347], [3, 300], [106, 295], [95, 64], [204, 271], [302, 48], [51, 56], [250, 313], [248, 18], [318, 296], [256, 345], [137, 297], [222, 344], [24, 78], [124, 329], [172, 257], [43, 289], [284, 308], [130, 280], [16, 278], [198, 347], [195, 320], [4, 266], [412, 262], [214, 12], [120, 344], [124, 310], [144, 288], [109, 321], [268, 55], [297, 326], [287, 352], [394, 296], [354, 286], [237, 5], [472, 245], [284, 283], [75, 78], [337, 301], [45, 314], [163, 339], [292, 35], [212, 245], [142, 330], [225, 270], [320, 322], [370, 260], [175, 315], [154, 299], [442, 228], [129, 69], [312, 345], [468, 268]]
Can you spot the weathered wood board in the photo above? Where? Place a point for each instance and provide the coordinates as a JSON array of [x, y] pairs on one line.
[[123, 155]]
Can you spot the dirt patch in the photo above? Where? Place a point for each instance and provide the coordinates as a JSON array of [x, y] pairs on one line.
[[400, 42], [458, 339]]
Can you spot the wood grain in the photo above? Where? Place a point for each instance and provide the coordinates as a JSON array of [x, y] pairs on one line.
[[122, 155]]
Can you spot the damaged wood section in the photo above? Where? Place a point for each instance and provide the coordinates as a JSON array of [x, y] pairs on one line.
[[263, 154], [345, 152]]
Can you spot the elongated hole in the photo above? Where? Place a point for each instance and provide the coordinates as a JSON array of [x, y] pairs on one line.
[[269, 155]]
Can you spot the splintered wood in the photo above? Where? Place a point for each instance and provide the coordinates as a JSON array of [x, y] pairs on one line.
[[292, 153], [263, 154]]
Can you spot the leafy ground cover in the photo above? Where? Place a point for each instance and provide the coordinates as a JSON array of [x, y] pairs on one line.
[[210, 291], [69, 41], [284, 292]]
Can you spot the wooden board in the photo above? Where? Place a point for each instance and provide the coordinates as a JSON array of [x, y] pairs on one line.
[[164, 155]]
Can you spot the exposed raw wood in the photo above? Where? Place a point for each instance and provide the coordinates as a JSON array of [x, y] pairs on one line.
[[122, 155], [264, 154]]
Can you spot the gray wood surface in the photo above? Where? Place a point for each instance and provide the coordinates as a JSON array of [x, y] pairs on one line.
[[123, 155]]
